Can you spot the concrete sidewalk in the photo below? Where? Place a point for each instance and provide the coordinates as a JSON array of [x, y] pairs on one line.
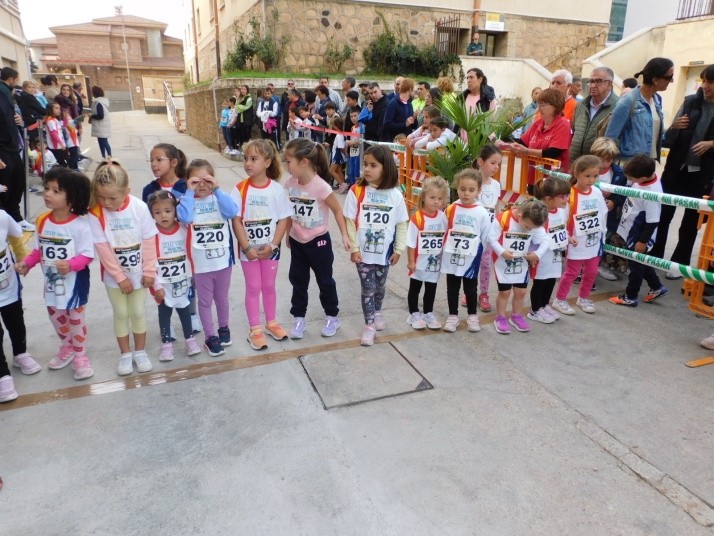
[[590, 426]]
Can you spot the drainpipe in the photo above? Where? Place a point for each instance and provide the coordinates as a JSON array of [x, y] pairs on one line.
[[477, 16], [195, 41], [218, 44], [215, 109], [265, 20]]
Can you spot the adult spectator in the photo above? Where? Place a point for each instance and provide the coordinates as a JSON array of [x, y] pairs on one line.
[[12, 169], [590, 113], [32, 110], [446, 86], [363, 93], [310, 100], [100, 121], [373, 114], [576, 88], [549, 136], [399, 116], [420, 101], [67, 101], [475, 48], [628, 84], [562, 81], [52, 87], [268, 111], [320, 115], [284, 103], [479, 96], [637, 122], [244, 110], [397, 88], [348, 84], [334, 96], [77, 89], [690, 166], [532, 108]]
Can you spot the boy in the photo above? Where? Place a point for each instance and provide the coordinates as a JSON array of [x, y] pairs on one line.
[[637, 230], [330, 111], [303, 121], [352, 143], [352, 98]]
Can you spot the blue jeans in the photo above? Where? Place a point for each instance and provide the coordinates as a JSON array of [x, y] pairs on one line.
[[227, 137], [104, 147]]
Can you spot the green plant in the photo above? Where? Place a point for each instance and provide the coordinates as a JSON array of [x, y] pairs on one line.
[[267, 50], [336, 57]]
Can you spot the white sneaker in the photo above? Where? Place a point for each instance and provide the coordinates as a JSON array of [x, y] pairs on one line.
[[196, 325], [606, 273], [27, 226], [586, 305], [563, 307], [233, 152], [473, 323], [548, 309], [431, 321], [141, 359], [416, 321], [125, 365], [451, 323], [541, 316], [227, 150], [672, 276]]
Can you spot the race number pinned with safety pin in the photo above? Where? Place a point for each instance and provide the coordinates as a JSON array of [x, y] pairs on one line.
[[129, 258], [587, 223], [558, 237], [375, 217], [517, 243], [4, 268], [304, 210], [431, 242], [259, 231], [55, 249], [210, 235], [462, 243], [172, 269]]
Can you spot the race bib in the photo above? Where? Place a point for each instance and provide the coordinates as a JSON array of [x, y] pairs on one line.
[[55, 249], [587, 223], [129, 258], [259, 231], [626, 207], [172, 270], [354, 151], [210, 236], [375, 217], [431, 242], [4, 265], [517, 243], [558, 237], [304, 210], [461, 243]]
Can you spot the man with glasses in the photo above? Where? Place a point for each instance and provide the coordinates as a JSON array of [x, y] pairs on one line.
[[592, 110]]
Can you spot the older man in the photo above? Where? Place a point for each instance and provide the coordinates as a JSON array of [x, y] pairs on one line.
[[397, 88], [590, 112], [562, 81], [334, 96]]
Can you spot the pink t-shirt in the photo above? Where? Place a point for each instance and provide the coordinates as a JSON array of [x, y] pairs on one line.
[[310, 214]]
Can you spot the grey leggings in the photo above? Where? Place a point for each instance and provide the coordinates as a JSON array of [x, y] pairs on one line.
[[373, 278], [165, 322]]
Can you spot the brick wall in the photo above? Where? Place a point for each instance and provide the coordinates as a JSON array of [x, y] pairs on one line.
[[117, 53], [174, 52], [77, 46]]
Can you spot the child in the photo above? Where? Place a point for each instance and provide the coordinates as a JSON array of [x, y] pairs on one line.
[[304, 122], [400, 139], [233, 127], [337, 163], [262, 219], [610, 173], [293, 132], [225, 119], [168, 164], [208, 213], [430, 112], [439, 135], [512, 234], [425, 240], [555, 193], [353, 145], [64, 246], [466, 239], [586, 219], [55, 135], [638, 230], [377, 225], [308, 238], [123, 232], [11, 312], [173, 282], [71, 140], [488, 162]]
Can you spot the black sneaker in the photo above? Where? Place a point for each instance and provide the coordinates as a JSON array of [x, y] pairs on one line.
[[224, 336], [214, 347]]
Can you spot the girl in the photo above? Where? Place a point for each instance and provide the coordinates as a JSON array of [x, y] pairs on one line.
[[310, 197], [512, 234], [11, 312], [208, 213], [429, 113], [439, 135], [555, 193], [377, 225], [71, 139], [101, 121], [171, 290], [223, 124], [425, 240], [64, 246], [124, 233], [469, 225], [55, 135], [489, 160], [263, 218], [337, 167], [586, 221]]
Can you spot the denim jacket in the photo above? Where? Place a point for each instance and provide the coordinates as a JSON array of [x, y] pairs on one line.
[[635, 134]]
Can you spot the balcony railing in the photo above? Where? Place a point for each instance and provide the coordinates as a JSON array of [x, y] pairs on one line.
[[689, 9]]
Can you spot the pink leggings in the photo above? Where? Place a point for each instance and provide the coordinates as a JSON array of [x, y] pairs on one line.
[[70, 327], [572, 270], [484, 273], [213, 287], [260, 278]]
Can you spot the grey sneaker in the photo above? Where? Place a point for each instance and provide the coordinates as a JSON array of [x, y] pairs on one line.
[[330, 326], [563, 307], [298, 328], [431, 321], [586, 305], [606, 273], [141, 359]]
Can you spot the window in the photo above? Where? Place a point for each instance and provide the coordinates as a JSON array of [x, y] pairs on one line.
[[210, 10], [117, 79]]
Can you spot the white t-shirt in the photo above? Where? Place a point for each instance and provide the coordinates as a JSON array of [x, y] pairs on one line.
[[210, 237], [489, 196], [124, 229], [10, 286], [636, 212], [587, 221], [425, 235], [550, 264], [465, 240], [606, 177], [338, 145], [173, 267], [376, 214], [61, 241], [53, 125], [261, 208], [507, 234]]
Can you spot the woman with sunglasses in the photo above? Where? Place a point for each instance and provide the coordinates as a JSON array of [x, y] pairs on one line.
[[637, 122]]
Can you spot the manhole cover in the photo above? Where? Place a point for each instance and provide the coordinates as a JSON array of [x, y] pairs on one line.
[[356, 375]]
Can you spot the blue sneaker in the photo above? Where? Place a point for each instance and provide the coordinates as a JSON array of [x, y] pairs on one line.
[[298, 328], [330, 327], [622, 299], [655, 294], [214, 347], [224, 336]]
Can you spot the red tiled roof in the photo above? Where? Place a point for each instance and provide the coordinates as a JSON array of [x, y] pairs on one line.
[[44, 41], [129, 19]]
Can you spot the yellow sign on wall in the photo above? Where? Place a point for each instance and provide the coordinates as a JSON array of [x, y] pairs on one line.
[[495, 22]]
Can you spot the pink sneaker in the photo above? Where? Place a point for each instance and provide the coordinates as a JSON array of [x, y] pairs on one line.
[[7, 389], [82, 369], [167, 352], [25, 363], [368, 335], [192, 347], [501, 325], [379, 323], [518, 322], [63, 358]]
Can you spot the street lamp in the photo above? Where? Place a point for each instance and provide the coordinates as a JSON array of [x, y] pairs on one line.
[[119, 10]]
